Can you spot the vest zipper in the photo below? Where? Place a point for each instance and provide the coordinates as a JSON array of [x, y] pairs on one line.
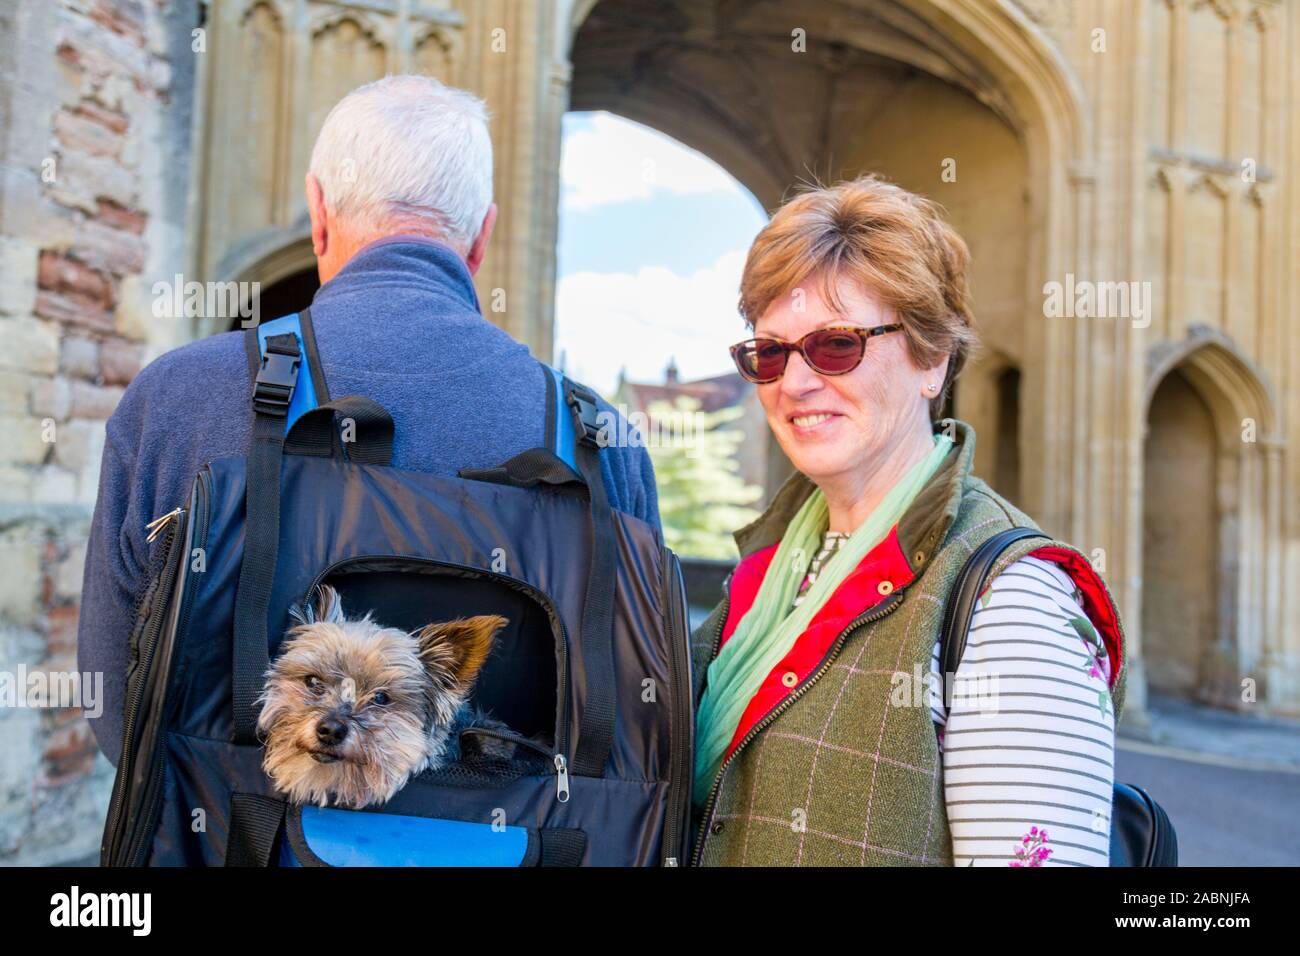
[[866, 617], [722, 626]]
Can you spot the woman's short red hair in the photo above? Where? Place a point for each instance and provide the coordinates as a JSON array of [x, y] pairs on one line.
[[895, 243]]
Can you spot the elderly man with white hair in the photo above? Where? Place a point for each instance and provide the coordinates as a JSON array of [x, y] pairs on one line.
[[400, 197]]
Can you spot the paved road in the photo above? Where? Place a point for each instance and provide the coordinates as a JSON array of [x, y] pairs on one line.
[[1225, 816]]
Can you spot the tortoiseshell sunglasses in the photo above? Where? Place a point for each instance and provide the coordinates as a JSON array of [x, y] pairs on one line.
[[830, 351]]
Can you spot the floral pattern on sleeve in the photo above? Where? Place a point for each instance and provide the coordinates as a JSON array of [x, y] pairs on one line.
[[1033, 849]]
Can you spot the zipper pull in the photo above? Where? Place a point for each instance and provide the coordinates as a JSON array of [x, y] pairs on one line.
[[156, 526], [562, 773]]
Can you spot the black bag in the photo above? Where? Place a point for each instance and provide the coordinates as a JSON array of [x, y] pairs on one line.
[[592, 674], [1140, 831]]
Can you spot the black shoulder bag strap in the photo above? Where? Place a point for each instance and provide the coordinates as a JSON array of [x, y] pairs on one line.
[[966, 591], [1141, 834]]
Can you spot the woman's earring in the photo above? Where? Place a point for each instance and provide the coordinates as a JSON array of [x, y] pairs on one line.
[[931, 387]]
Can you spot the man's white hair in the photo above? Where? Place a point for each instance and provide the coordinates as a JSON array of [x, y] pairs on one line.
[[407, 152]]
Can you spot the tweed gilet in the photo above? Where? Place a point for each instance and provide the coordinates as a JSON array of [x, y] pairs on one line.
[[845, 770]]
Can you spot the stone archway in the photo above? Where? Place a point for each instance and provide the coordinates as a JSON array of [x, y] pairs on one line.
[[1212, 489], [275, 268], [882, 86], [1180, 560]]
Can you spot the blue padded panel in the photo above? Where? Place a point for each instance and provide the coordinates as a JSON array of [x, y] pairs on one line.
[[358, 838]]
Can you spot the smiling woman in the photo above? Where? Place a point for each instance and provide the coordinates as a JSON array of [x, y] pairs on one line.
[[805, 754]]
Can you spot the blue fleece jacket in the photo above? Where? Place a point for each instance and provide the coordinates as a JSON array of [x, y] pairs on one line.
[[400, 323]]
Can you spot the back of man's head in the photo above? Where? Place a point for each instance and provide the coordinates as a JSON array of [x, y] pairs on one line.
[[406, 154]]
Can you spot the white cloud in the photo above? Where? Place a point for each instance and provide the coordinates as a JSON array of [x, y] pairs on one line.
[[611, 160], [608, 321]]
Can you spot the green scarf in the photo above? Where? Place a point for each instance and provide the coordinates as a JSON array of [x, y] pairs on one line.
[[770, 628]]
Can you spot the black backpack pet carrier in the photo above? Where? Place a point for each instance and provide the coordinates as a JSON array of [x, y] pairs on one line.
[[591, 674]]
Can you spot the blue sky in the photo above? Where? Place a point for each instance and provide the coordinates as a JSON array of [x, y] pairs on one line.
[[652, 241]]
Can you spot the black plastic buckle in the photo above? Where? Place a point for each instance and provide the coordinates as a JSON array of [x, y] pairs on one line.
[[274, 385], [586, 415]]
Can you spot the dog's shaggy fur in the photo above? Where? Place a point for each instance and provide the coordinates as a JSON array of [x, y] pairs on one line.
[[352, 710]]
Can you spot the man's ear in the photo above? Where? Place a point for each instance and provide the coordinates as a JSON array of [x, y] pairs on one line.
[[320, 225], [478, 248], [458, 648]]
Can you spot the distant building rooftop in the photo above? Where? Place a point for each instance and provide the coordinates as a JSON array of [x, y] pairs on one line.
[[720, 391]]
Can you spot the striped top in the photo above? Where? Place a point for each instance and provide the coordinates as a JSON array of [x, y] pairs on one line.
[[1028, 739]]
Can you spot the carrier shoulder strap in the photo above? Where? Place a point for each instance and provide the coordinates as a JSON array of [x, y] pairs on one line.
[[572, 455], [561, 437], [966, 591], [583, 425], [287, 381], [311, 390]]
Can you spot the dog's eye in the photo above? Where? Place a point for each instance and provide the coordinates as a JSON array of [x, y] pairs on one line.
[[314, 683], [379, 697]]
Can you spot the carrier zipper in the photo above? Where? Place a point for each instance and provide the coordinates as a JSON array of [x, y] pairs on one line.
[[138, 674], [562, 779], [562, 700], [556, 759], [866, 617], [156, 526], [152, 798], [679, 790]]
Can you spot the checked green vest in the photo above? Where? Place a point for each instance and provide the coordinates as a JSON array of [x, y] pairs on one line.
[[836, 775]]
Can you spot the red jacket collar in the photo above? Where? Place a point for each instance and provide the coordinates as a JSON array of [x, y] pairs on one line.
[[883, 570]]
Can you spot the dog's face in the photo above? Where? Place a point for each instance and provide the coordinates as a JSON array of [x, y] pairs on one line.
[[352, 709]]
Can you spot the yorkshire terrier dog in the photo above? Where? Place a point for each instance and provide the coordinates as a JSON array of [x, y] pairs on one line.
[[352, 710]]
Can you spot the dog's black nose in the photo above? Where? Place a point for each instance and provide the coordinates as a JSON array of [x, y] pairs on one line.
[[331, 730]]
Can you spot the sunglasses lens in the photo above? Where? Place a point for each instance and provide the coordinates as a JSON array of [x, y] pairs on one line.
[[760, 361], [834, 351]]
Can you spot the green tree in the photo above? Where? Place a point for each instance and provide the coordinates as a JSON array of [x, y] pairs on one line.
[[702, 497]]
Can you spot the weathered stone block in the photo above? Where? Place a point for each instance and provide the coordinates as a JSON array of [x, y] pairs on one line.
[[20, 576], [51, 398], [24, 439], [53, 484], [18, 258], [103, 247], [79, 357], [69, 570], [94, 401], [119, 361], [30, 345], [79, 445], [15, 389]]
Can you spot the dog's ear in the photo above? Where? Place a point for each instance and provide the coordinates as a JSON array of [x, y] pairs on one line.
[[328, 608], [458, 648]]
